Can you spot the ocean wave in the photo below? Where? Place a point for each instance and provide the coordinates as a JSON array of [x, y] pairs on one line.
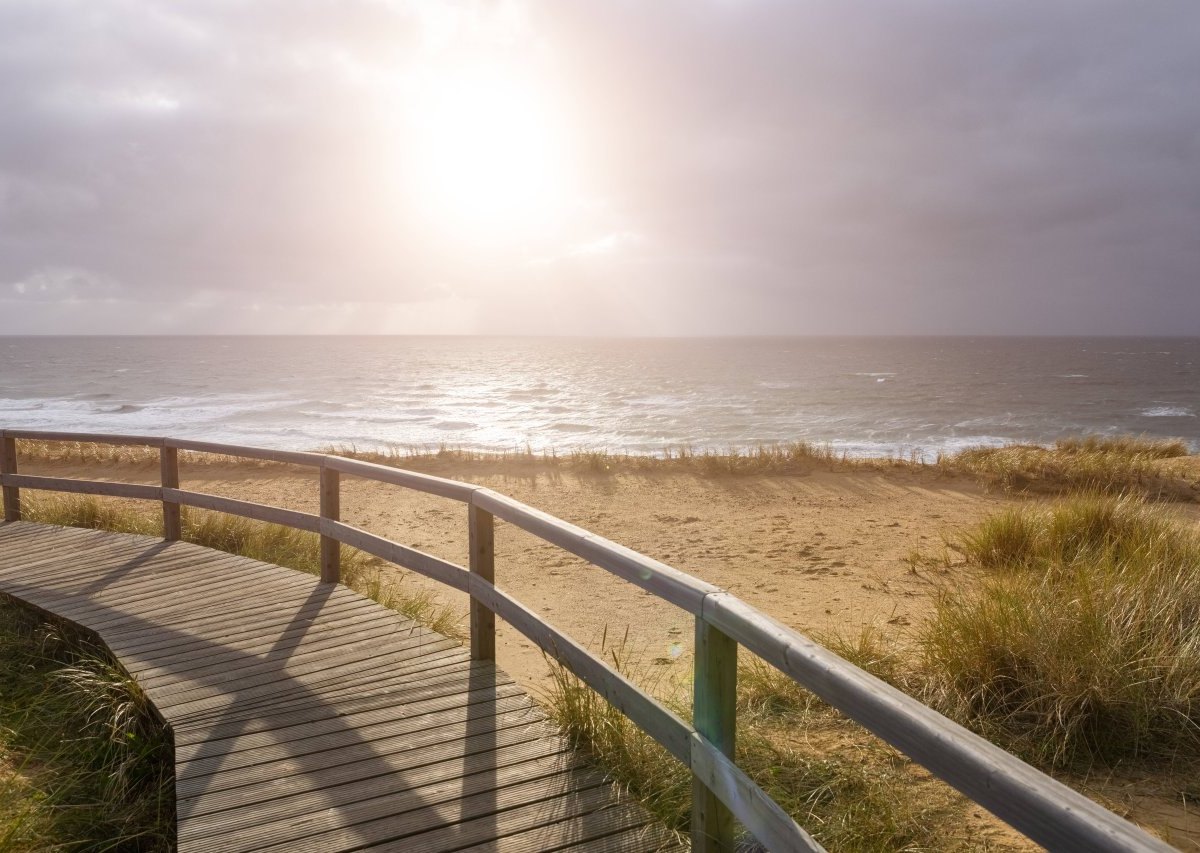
[[571, 427], [1168, 412]]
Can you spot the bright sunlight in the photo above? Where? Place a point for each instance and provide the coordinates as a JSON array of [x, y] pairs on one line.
[[492, 155]]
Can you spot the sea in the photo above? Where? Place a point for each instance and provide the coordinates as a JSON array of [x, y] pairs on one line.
[[904, 396]]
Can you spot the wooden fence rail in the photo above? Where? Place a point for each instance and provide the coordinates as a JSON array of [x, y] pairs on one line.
[[1043, 809]]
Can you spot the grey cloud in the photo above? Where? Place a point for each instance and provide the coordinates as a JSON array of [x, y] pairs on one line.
[[930, 166]]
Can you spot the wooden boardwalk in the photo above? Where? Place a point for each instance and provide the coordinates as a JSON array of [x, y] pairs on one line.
[[307, 717]]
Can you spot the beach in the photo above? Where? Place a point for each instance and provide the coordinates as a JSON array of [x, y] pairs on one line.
[[830, 551]]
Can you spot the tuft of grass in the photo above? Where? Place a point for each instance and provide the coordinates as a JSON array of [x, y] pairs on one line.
[[1112, 465], [1082, 643], [85, 762], [855, 795], [268, 543]]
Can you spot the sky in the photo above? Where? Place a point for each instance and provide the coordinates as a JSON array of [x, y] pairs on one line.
[[609, 167]]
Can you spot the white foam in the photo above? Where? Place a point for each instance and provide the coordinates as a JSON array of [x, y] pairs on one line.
[[1168, 412]]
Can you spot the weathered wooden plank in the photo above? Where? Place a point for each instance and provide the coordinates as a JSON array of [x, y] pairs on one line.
[[449, 729], [168, 463], [83, 487], [246, 509], [287, 457], [482, 547], [295, 788], [331, 511], [399, 477], [567, 796], [714, 714], [86, 437], [409, 810], [611, 829], [8, 467]]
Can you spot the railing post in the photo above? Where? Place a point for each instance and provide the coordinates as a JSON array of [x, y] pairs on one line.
[[481, 533], [8, 465], [168, 459], [331, 508], [714, 714]]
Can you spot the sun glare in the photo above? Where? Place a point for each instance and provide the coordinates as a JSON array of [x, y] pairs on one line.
[[491, 156]]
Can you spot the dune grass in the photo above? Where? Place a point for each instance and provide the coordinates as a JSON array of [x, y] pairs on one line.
[[269, 543], [1081, 644], [850, 791], [1113, 465], [85, 763]]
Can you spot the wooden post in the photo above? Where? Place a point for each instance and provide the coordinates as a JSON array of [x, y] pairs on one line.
[[168, 463], [481, 533], [714, 714], [331, 508], [8, 465]]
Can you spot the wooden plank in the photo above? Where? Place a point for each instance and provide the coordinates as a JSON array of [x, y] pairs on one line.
[[428, 565], [331, 510], [169, 474], [1047, 811], [86, 437], [482, 547], [648, 713], [8, 467], [614, 829], [411, 810], [662, 580], [246, 509], [399, 477], [286, 457], [83, 487], [714, 714], [304, 785], [351, 742]]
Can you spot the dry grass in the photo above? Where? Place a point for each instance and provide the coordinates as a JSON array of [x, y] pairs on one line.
[[1082, 642], [848, 790], [1120, 465]]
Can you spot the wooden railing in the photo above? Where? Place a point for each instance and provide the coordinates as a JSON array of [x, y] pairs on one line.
[[1043, 809]]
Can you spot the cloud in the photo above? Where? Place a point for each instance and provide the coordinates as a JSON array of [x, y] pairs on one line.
[[760, 166]]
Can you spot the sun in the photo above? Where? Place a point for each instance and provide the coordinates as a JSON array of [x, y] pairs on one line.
[[491, 155]]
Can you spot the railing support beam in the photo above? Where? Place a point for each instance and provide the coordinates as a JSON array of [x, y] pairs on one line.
[[331, 508], [8, 465], [481, 530], [168, 458], [714, 715]]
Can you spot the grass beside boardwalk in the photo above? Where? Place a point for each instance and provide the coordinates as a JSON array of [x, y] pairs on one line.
[[85, 764], [1082, 642], [270, 543], [849, 791]]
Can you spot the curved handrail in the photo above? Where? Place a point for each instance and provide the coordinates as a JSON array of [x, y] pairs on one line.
[[1043, 809]]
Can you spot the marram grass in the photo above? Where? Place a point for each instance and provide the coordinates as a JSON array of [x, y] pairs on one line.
[[856, 794], [85, 762], [1081, 644]]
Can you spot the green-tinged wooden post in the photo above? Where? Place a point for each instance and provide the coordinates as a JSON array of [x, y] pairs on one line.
[[168, 459], [8, 465], [481, 533], [331, 508], [714, 716]]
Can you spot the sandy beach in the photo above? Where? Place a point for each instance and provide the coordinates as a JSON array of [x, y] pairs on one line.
[[826, 552]]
